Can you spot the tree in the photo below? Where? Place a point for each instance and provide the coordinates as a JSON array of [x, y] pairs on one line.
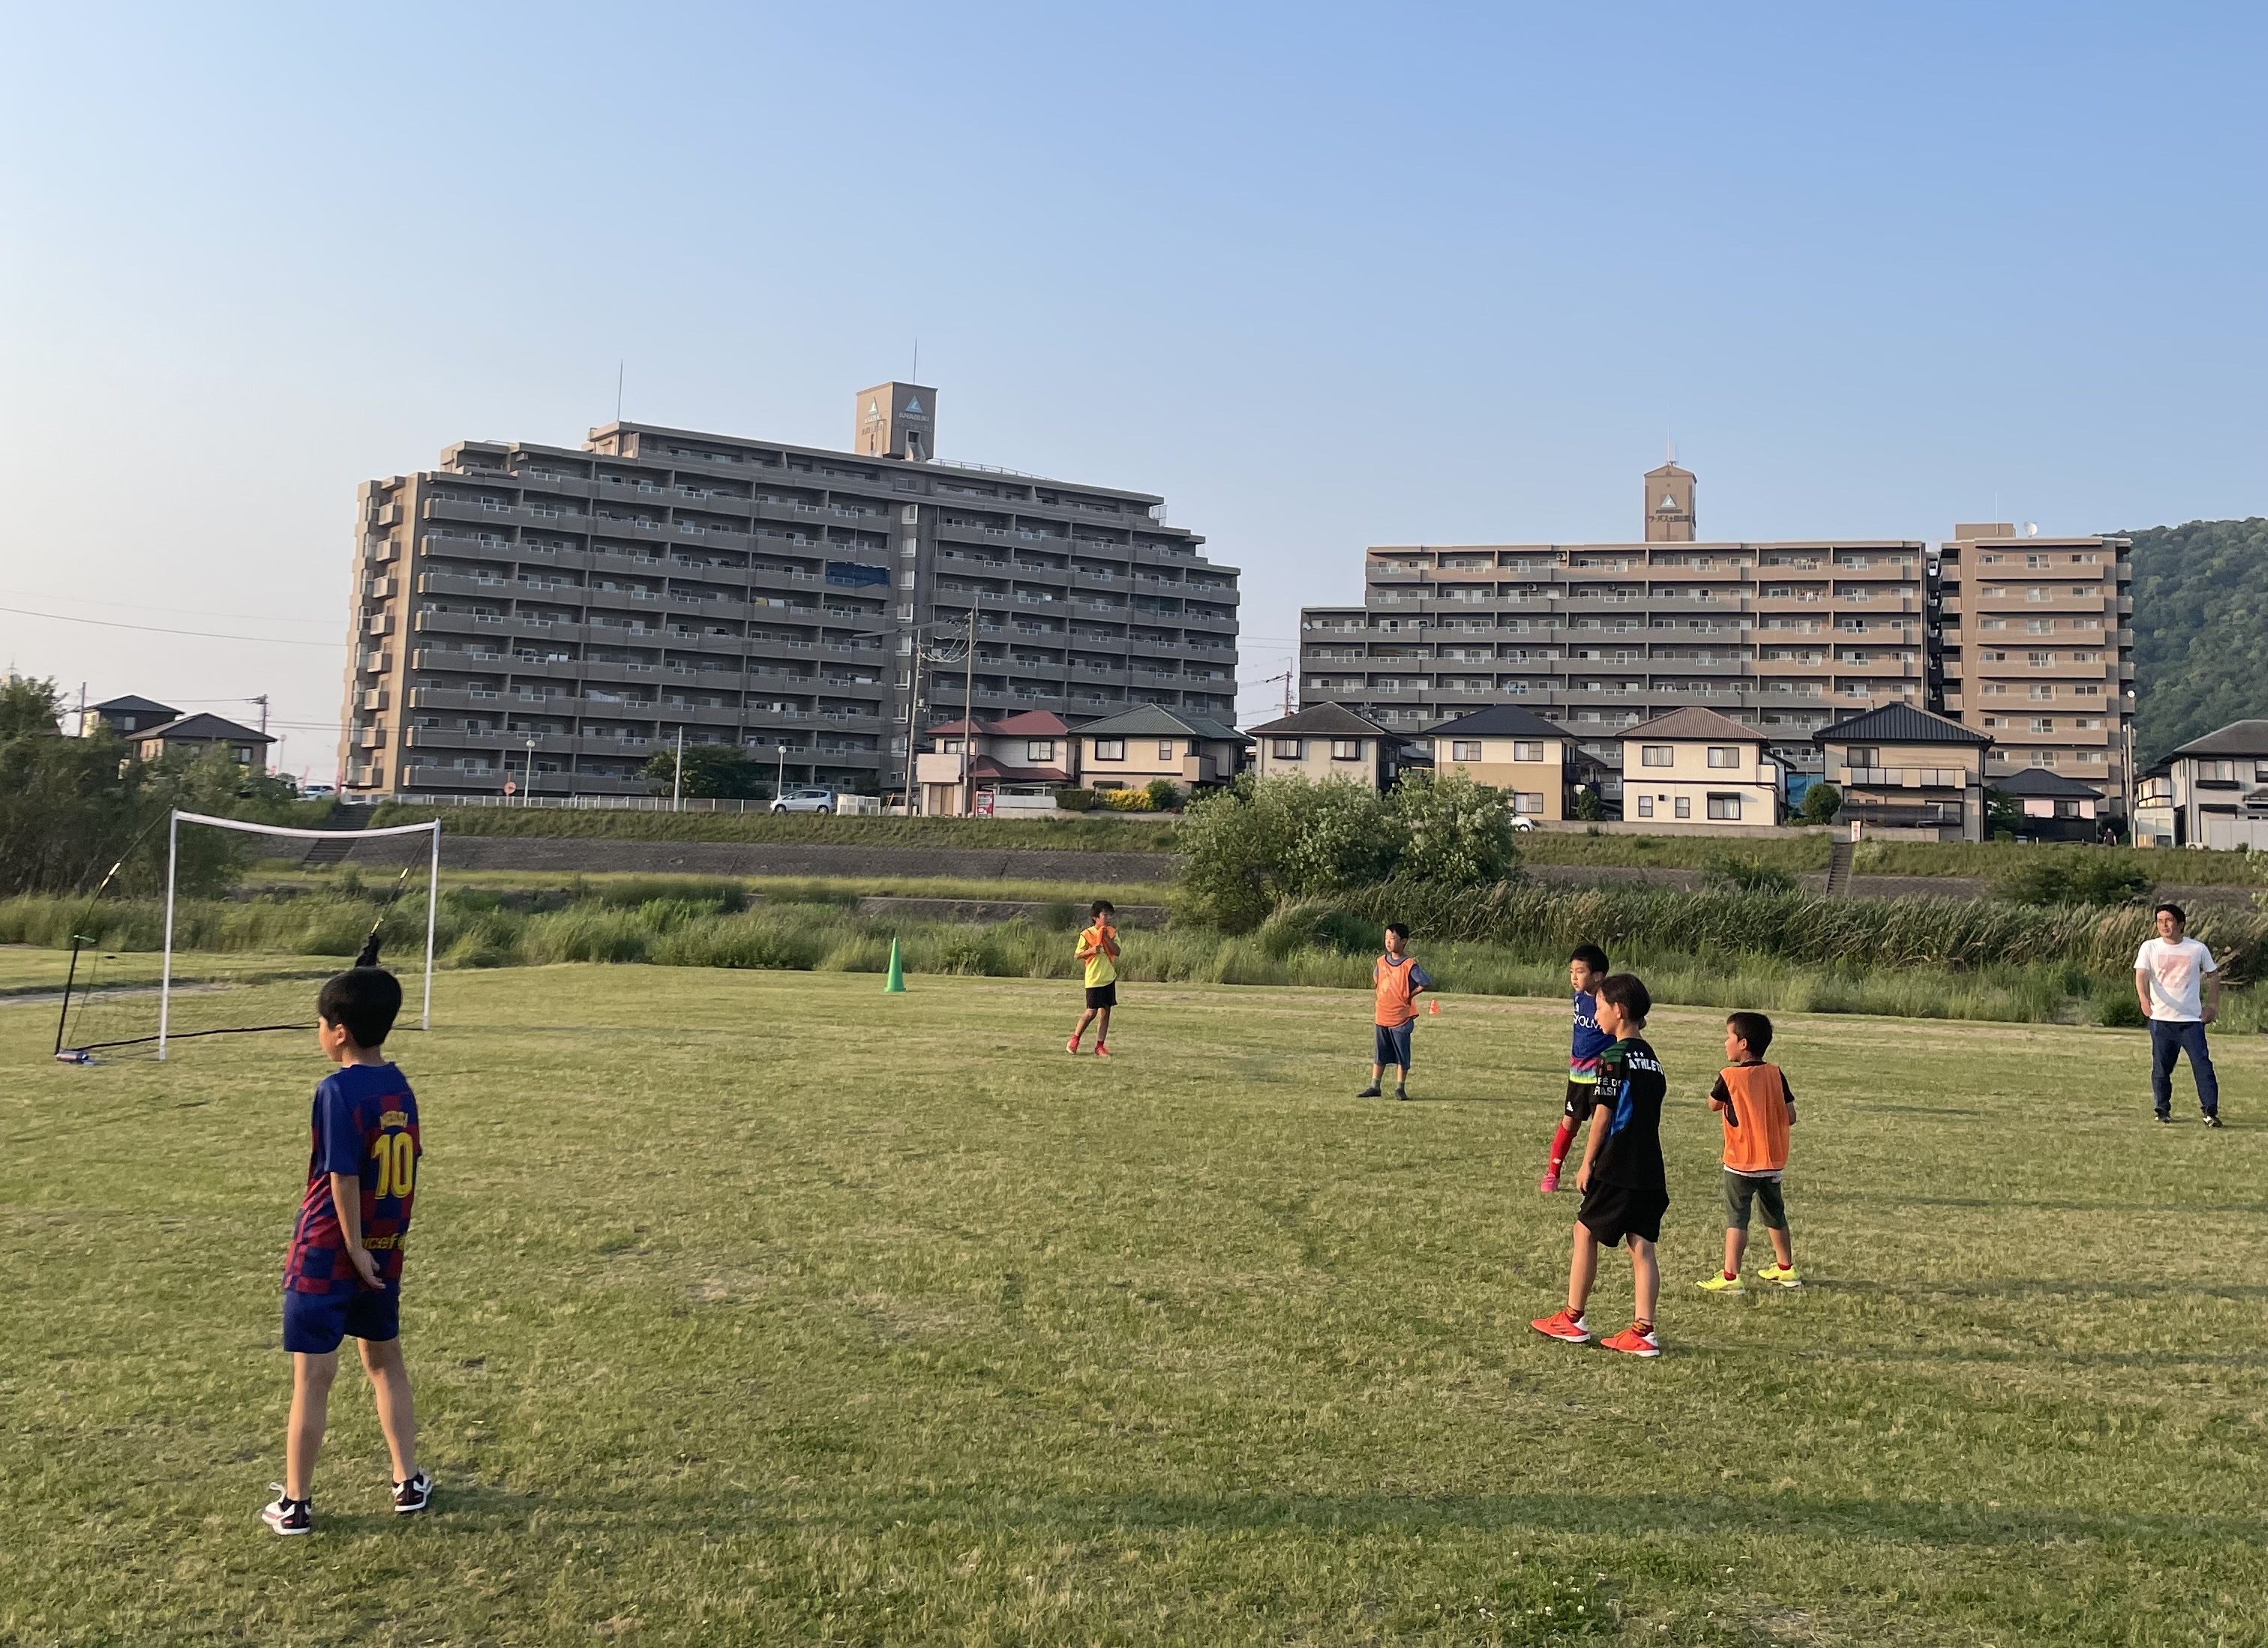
[[1459, 833], [2200, 631], [1263, 841], [28, 707], [1821, 803], [711, 771]]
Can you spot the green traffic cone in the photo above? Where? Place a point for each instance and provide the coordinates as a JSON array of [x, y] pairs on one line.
[[897, 984]]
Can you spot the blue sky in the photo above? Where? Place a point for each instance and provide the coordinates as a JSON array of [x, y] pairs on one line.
[[1323, 276]]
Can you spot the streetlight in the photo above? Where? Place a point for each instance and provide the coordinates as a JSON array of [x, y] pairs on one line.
[[528, 798]]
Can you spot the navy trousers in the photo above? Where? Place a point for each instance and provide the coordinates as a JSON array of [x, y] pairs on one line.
[[2168, 1039]]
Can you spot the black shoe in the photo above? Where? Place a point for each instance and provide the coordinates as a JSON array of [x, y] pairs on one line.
[[289, 1516], [2164, 1120], [411, 1497], [1403, 1094], [2212, 1120], [1370, 1091]]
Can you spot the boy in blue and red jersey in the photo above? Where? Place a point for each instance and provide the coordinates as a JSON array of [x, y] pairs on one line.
[[344, 1274], [1585, 968], [1397, 980]]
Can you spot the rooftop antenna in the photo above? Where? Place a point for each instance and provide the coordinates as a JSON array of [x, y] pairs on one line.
[[619, 366]]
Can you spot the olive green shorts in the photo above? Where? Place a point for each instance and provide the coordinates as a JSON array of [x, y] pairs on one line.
[[1740, 1189]]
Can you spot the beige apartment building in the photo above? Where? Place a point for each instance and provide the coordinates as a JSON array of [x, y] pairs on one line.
[[1782, 637], [551, 617], [2036, 642]]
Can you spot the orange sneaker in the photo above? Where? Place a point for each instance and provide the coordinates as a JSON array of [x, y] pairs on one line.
[[1567, 1327], [1635, 1341]]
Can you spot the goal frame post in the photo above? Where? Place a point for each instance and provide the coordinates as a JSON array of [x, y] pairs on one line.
[[173, 867]]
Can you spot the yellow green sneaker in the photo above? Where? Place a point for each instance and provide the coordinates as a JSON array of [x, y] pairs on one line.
[[1781, 1276], [1722, 1283]]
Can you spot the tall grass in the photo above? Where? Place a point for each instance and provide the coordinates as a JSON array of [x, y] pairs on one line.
[[1085, 833], [1510, 943]]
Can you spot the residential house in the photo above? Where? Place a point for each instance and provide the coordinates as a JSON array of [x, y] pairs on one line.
[[1125, 752], [126, 716], [1327, 740], [1514, 750], [1900, 767], [2154, 807], [2220, 788], [1024, 757], [2053, 807], [198, 733], [1694, 766]]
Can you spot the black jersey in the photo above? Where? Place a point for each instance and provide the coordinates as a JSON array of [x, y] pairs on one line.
[[1631, 1087]]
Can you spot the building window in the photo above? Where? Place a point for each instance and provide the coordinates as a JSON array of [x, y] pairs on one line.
[[1726, 807], [1110, 749], [1684, 806], [1288, 749], [1165, 749], [1464, 749], [1346, 749], [1657, 755], [1724, 755], [1528, 751], [1646, 806], [1863, 755], [1040, 750], [1528, 803]]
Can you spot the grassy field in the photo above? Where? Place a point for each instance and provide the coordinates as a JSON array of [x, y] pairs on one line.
[[29, 969], [794, 889], [759, 1307], [1087, 832]]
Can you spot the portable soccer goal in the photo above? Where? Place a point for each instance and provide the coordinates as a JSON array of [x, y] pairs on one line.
[[120, 1023]]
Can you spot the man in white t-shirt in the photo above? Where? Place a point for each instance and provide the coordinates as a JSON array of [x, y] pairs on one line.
[[2179, 985]]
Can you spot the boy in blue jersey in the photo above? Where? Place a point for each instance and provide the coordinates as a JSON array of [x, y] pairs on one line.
[[1585, 968], [343, 1276]]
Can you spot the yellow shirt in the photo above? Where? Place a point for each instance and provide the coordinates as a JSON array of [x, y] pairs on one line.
[[1098, 947]]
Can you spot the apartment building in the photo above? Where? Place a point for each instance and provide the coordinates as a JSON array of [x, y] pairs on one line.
[[1782, 637], [553, 616], [2036, 647]]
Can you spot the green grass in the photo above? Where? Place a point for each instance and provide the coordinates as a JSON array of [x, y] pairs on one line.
[[26, 970], [1096, 832], [801, 889], [1796, 854], [756, 1307], [1807, 854]]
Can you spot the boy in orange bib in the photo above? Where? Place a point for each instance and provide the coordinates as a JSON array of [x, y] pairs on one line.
[[1758, 1108]]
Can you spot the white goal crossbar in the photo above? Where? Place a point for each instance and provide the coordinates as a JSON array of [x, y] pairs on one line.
[[172, 862]]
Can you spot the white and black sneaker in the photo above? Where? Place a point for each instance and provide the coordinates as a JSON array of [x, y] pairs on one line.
[[288, 1516], [411, 1497]]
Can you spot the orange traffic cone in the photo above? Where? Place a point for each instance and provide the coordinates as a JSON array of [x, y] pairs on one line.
[[1436, 1008]]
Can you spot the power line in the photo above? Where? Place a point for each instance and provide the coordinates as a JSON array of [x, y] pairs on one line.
[[198, 612], [201, 634]]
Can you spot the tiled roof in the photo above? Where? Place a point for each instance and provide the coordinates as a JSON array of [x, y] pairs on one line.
[[1499, 721], [1694, 721], [2238, 737], [1899, 723], [1157, 721], [208, 729], [132, 705], [1325, 720], [2038, 781]]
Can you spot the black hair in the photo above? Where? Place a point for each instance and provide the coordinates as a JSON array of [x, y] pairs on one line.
[[1400, 929], [1628, 993], [1102, 907], [2173, 910], [362, 1001], [1591, 957], [1753, 1029]]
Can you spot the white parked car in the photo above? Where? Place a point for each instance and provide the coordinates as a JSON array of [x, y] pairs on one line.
[[317, 792], [1522, 822], [806, 799]]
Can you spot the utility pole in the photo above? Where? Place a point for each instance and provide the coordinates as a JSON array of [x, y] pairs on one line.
[[82, 709], [913, 731], [677, 776], [968, 720], [779, 783], [527, 797]]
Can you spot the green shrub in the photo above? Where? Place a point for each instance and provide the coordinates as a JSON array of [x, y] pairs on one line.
[[1165, 795], [2049, 877], [2118, 1009], [1723, 873], [1821, 803], [1075, 800]]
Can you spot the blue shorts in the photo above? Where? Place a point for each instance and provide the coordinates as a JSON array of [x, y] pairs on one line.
[[314, 1323], [1393, 1044]]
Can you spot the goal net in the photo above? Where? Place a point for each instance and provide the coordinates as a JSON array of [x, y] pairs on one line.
[[121, 1002]]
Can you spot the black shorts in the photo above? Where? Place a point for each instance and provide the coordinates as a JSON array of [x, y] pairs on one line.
[[1582, 1097], [1611, 1211], [316, 1322], [1102, 994], [1742, 1188], [1393, 1044]]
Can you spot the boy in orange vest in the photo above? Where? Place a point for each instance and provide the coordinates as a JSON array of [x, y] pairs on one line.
[[1397, 980], [1758, 1108]]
